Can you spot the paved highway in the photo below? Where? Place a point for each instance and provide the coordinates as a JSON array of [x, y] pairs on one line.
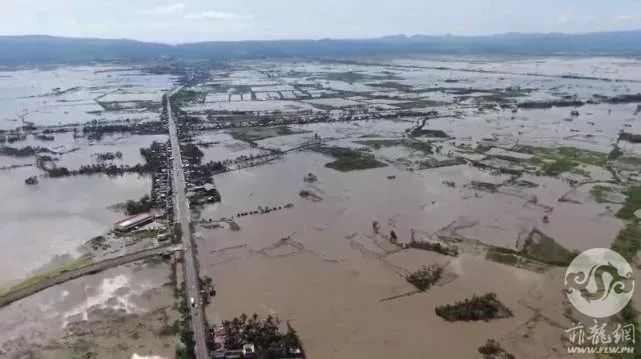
[[182, 215]]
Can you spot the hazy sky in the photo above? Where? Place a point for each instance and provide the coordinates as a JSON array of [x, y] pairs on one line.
[[198, 20]]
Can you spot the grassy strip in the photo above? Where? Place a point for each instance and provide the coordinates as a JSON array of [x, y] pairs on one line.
[[632, 204], [628, 242], [37, 278], [600, 193]]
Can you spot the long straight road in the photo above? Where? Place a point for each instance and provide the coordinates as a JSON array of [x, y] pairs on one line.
[[182, 215]]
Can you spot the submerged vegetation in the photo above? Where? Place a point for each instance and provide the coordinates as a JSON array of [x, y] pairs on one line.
[[628, 242], [415, 145], [600, 193], [632, 204], [558, 160]]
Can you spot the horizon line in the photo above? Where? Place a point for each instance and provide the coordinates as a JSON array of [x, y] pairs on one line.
[[382, 37]]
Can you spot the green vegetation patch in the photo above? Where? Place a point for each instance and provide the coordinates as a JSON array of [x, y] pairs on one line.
[[260, 133], [493, 350], [538, 250], [424, 278], [381, 143], [188, 96], [558, 160], [392, 85], [485, 307], [444, 249], [147, 233], [543, 248], [628, 242], [348, 159], [352, 77], [265, 334], [632, 204], [600, 193], [40, 277], [630, 160], [495, 254], [420, 146]]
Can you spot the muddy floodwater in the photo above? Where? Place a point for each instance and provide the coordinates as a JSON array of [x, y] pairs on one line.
[[320, 265], [338, 181], [54, 122], [482, 153], [56, 216], [119, 313]]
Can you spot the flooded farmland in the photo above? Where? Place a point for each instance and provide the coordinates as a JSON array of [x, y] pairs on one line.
[[482, 156], [318, 191], [71, 166]]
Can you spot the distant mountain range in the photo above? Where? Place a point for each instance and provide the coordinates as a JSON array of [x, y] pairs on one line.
[[39, 49]]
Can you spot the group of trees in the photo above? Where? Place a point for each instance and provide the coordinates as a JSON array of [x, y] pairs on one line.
[[485, 307], [96, 131], [155, 158], [630, 137], [264, 334], [424, 278], [88, 170], [192, 153], [143, 205], [22, 151], [108, 156], [493, 350], [44, 137], [434, 247]]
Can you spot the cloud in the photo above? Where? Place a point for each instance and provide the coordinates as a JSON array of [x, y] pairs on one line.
[[571, 17], [625, 18], [216, 15], [167, 9], [565, 17]]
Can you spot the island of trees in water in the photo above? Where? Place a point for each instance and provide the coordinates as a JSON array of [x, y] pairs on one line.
[[264, 334], [485, 307]]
